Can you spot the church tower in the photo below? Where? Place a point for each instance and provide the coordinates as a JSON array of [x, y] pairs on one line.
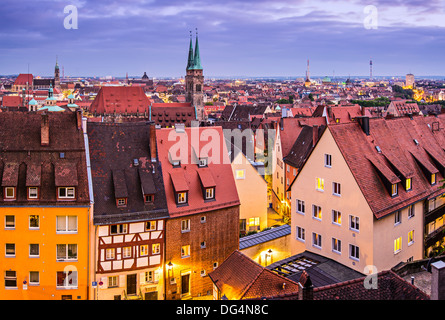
[[194, 80], [57, 76]]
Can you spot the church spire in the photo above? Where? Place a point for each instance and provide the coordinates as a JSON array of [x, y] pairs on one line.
[[197, 58], [190, 59]]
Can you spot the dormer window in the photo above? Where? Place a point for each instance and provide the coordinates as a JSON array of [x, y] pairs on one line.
[[9, 193], [33, 193], [66, 192], [176, 163], [433, 179], [202, 162], [121, 202], [210, 193], [394, 189], [408, 184], [149, 198], [181, 197]]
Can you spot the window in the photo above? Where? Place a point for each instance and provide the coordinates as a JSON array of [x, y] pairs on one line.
[[150, 225], [33, 193], [203, 219], [242, 225], [328, 160], [121, 202], [354, 223], [119, 229], [34, 222], [113, 282], [215, 265], [67, 279], [433, 178], [149, 198], [354, 252], [336, 189], [203, 273], [316, 212], [336, 245], [411, 211], [10, 249], [408, 185], [210, 193], [34, 250], [66, 252], [254, 223], [66, 223], [319, 184], [143, 250], [241, 174], [300, 234], [316, 240], [185, 251], [336, 217], [394, 189], [411, 237], [34, 278], [398, 245], [126, 252], [300, 206], [110, 253], [9, 222], [151, 276], [182, 197], [202, 162], [156, 248], [66, 192], [185, 225], [10, 279], [398, 217], [9, 193], [203, 244], [176, 163]]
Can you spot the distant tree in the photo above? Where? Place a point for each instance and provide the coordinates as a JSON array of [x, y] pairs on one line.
[[291, 99], [311, 97]]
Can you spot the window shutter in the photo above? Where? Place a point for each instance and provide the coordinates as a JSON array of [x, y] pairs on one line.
[[142, 278]]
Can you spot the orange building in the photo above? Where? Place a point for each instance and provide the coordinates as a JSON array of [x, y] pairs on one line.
[[44, 207]]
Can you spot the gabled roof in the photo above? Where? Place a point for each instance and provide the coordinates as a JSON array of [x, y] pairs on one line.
[[239, 277], [24, 78], [121, 167], [402, 153], [183, 145], [119, 100]]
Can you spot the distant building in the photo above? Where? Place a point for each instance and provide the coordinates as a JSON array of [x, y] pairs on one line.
[[409, 82]]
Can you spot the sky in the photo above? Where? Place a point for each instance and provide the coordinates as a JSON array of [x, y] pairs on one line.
[[237, 38]]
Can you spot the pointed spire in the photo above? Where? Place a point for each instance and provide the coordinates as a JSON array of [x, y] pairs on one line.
[[190, 59], [197, 58], [57, 63]]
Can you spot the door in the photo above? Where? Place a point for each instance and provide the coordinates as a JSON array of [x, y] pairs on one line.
[[151, 295], [131, 283], [185, 284]]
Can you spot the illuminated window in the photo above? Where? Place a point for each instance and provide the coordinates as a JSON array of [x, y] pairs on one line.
[[336, 245], [394, 189], [144, 250], [210, 193], [398, 245], [411, 237], [433, 178], [408, 185], [316, 212], [254, 223], [119, 229], [156, 248], [126, 252], [182, 197], [319, 184], [240, 174], [300, 206], [316, 240], [185, 251], [336, 217], [110, 253], [150, 225]]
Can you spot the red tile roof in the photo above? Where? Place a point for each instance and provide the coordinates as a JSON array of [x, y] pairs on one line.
[[119, 100], [187, 150], [12, 101], [239, 277], [24, 78], [399, 158]]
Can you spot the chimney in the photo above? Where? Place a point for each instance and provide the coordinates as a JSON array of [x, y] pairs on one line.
[[314, 135], [44, 130], [365, 125], [79, 119], [152, 141], [306, 289], [438, 280]]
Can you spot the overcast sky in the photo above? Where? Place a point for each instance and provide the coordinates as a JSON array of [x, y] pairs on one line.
[[236, 38]]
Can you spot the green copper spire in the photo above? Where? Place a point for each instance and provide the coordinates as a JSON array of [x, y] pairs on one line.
[[57, 63], [190, 60], [197, 58]]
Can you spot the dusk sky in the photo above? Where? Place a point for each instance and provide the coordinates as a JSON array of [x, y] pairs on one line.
[[236, 38]]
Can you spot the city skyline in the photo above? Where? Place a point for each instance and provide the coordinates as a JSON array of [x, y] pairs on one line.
[[237, 39]]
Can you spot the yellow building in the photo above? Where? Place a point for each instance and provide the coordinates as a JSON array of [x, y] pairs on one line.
[[44, 207]]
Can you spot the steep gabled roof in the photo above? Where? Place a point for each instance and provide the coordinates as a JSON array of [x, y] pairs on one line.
[[119, 100]]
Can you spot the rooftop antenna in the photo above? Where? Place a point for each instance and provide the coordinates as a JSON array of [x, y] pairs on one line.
[[370, 68]]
